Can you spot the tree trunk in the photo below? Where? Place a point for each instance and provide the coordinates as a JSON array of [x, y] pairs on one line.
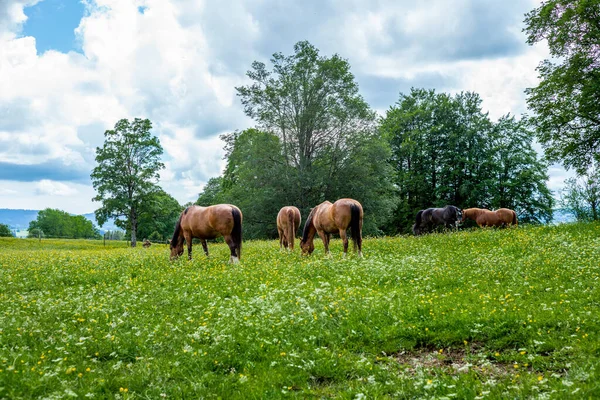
[[133, 220]]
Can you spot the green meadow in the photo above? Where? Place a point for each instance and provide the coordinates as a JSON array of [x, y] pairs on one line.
[[511, 313]]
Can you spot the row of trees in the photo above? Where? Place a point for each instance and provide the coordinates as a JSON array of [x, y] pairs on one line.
[[317, 140], [445, 150], [56, 223]]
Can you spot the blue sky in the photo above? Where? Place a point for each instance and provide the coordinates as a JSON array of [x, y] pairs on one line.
[[52, 23], [177, 63]]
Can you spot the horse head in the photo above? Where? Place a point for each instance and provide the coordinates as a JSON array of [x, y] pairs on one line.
[[176, 250], [307, 246]]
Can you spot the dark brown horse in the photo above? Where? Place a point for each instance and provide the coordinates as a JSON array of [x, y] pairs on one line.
[[327, 218], [430, 218], [288, 221], [209, 223], [484, 217]]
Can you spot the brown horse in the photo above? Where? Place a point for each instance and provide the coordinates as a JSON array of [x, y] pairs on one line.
[[209, 223], [288, 221], [484, 217], [327, 218]]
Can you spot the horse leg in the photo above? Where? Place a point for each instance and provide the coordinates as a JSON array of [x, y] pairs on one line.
[[205, 247], [345, 240], [188, 240], [323, 237], [280, 238], [233, 257]]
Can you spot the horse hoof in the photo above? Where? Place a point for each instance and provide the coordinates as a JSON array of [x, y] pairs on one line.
[[234, 260]]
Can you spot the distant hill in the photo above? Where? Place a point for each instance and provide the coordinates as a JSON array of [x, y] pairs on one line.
[[17, 219], [20, 219]]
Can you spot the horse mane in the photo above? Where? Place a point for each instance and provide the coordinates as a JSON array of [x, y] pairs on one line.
[[308, 224], [175, 237]]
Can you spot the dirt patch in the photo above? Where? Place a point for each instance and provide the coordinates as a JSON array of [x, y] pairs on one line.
[[454, 361]]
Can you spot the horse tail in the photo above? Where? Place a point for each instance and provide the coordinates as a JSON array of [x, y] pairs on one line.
[[514, 219], [355, 223], [236, 232], [291, 234], [177, 232], [417, 222]]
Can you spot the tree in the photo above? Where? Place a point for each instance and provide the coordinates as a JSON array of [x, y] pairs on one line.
[[158, 214], [518, 176], [445, 150], [127, 173], [253, 180], [581, 197], [312, 104], [5, 231], [566, 103], [212, 193], [56, 223]]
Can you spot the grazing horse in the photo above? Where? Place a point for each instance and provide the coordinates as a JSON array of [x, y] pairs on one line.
[[209, 223], [327, 218], [288, 221], [483, 217], [448, 216]]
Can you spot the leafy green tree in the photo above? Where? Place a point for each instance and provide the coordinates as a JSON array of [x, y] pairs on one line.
[[5, 231], [445, 150], [581, 197], [312, 104], [127, 173], [56, 223], [158, 214], [566, 103], [212, 193], [440, 151], [253, 180], [519, 177]]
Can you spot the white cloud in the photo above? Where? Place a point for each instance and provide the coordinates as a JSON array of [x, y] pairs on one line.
[[52, 188], [75, 198]]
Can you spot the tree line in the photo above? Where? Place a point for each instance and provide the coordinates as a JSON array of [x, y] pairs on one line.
[[317, 139]]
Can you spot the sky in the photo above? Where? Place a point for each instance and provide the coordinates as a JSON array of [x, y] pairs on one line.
[[70, 69]]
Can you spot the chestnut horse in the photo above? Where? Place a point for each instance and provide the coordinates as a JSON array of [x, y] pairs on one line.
[[209, 223], [288, 221], [484, 217], [327, 218]]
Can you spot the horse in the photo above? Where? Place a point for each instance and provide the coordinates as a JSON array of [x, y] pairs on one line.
[[484, 217], [327, 218], [209, 223], [288, 221], [448, 216]]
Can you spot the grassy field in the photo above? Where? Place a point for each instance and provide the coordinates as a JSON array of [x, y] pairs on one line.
[[511, 313]]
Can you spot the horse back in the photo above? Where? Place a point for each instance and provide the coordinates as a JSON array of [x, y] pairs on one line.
[[208, 222], [282, 216], [341, 213]]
